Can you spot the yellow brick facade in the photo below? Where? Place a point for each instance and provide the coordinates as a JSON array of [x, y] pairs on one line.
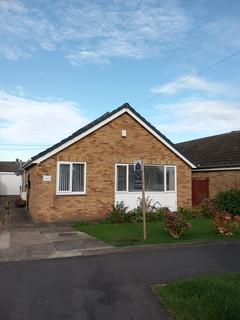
[[220, 180], [101, 150]]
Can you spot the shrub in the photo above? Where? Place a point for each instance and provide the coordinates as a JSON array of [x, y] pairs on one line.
[[237, 221], [150, 205], [223, 221], [136, 215], [175, 224], [208, 207], [229, 201], [157, 215], [186, 212], [118, 213]]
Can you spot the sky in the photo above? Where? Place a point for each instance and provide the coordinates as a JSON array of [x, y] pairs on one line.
[[65, 63]]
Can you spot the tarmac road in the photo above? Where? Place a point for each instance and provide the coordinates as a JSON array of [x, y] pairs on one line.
[[112, 286]]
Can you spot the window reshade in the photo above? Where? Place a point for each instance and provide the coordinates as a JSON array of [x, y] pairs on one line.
[[64, 177], [170, 178], [77, 177], [154, 178]]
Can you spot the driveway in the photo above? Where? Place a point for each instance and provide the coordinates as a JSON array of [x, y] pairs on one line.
[[28, 240], [113, 286]]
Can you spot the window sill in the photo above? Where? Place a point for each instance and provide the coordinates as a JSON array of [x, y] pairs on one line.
[[70, 193], [140, 191]]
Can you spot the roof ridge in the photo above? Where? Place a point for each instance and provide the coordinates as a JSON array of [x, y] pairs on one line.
[[104, 118], [208, 137]]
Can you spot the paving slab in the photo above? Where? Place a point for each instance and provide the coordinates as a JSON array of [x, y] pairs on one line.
[[4, 239], [74, 240], [21, 253], [27, 237]]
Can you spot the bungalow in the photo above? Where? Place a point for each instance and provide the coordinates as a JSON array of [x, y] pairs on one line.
[[82, 176], [218, 164]]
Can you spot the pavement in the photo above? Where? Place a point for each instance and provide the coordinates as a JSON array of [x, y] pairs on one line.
[[26, 240], [113, 286]]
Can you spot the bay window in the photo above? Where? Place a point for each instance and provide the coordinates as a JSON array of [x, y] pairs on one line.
[[71, 177], [158, 178]]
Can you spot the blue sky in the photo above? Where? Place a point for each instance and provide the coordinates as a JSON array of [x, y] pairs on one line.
[[64, 63]]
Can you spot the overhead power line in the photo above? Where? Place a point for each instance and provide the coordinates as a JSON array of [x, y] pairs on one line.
[[189, 78]]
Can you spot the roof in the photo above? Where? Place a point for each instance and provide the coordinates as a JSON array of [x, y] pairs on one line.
[[94, 125], [219, 151], [9, 166]]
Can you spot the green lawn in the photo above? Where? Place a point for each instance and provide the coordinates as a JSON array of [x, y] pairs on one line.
[[214, 297], [131, 233]]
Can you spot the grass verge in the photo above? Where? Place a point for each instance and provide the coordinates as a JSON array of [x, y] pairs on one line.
[[131, 233], [214, 297]]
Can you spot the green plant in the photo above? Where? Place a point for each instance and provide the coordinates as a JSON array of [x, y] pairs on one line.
[[157, 215], [229, 201], [224, 223], [186, 212], [118, 213], [175, 224], [208, 207], [136, 215]]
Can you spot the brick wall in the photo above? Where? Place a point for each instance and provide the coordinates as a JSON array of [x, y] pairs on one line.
[[101, 150], [220, 180]]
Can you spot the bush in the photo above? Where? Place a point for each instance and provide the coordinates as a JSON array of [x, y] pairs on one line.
[[224, 223], [175, 224], [208, 207], [136, 215], [186, 212], [118, 213], [229, 201], [157, 215]]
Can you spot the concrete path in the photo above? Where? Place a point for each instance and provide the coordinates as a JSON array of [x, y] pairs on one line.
[[114, 286], [26, 240]]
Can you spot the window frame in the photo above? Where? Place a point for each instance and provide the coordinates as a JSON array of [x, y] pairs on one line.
[[149, 165], [165, 178], [70, 192]]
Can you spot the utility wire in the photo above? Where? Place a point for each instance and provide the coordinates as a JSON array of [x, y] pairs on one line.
[[141, 103], [190, 77]]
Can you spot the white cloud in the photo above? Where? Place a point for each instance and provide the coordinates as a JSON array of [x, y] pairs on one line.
[[192, 83], [197, 117], [32, 121], [91, 31]]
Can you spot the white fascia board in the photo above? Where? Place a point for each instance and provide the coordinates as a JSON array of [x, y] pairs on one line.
[[217, 169], [101, 124], [81, 136]]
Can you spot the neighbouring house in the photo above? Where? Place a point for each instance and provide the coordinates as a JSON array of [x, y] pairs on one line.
[[218, 164], [10, 178], [82, 176]]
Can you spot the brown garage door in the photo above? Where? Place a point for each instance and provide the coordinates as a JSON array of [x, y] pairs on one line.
[[200, 190]]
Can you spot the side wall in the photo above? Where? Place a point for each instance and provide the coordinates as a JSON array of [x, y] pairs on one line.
[[101, 150], [220, 180]]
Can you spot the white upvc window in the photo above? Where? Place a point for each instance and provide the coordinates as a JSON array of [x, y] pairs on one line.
[[158, 178], [71, 178]]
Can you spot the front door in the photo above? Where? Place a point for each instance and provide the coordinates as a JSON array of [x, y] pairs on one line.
[[200, 190]]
